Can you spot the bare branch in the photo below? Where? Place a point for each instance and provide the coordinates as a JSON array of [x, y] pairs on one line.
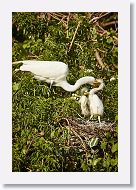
[[99, 59], [74, 35]]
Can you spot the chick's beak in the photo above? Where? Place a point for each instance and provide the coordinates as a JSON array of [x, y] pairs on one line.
[[96, 83], [86, 93]]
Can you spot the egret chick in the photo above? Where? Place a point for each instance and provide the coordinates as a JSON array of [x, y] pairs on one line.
[[95, 104], [84, 102]]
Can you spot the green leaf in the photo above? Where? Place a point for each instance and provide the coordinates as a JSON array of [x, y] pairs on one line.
[[93, 142], [114, 162], [52, 134], [109, 40], [106, 162], [95, 162], [116, 118], [15, 86], [24, 150], [103, 145], [114, 147], [25, 46], [84, 166]]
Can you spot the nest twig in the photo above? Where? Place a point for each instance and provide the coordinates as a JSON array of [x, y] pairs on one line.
[[78, 25], [81, 131]]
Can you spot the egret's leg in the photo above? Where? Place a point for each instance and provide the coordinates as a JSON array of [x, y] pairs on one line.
[[51, 83], [99, 119], [91, 117]]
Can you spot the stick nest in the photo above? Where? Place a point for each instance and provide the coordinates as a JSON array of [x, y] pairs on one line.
[[82, 131]]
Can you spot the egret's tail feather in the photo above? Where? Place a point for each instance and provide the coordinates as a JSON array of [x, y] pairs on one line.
[[16, 70], [16, 62]]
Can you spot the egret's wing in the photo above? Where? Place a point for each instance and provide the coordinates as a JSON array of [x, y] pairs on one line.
[[96, 105], [84, 105], [52, 70]]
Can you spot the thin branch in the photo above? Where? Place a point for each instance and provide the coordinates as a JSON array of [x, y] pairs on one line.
[[76, 134], [54, 16], [97, 18], [67, 25], [109, 23], [99, 59], [100, 27], [74, 35]]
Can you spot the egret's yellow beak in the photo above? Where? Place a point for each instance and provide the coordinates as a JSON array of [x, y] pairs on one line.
[[86, 93], [96, 83]]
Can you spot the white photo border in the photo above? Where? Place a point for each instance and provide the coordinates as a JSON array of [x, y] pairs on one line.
[[6, 174]]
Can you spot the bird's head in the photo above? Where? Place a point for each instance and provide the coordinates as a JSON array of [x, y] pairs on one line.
[[84, 91], [97, 83]]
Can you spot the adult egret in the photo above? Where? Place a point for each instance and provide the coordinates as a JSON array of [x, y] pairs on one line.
[[53, 72], [90, 102]]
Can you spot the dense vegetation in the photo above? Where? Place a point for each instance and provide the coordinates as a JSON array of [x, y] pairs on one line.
[[88, 43]]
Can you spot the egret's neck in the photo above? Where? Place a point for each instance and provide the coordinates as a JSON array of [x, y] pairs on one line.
[[71, 88], [94, 90], [68, 87]]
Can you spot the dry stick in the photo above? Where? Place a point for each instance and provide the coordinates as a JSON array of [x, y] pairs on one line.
[[97, 24], [59, 19], [62, 20], [67, 25], [60, 15], [99, 59], [79, 138], [74, 35], [53, 16], [97, 18], [109, 23]]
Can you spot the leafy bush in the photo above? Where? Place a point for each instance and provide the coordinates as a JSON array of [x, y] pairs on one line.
[[39, 140]]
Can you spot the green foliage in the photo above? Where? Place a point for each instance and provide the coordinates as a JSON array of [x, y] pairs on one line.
[[39, 140]]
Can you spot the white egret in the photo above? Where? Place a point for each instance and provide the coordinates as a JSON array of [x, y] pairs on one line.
[[91, 103], [53, 72], [84, 102], [95, 104]]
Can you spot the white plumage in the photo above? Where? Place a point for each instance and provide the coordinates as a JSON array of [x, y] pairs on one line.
[[92, 102], [53, 72], [95, 104], [84, 102]]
